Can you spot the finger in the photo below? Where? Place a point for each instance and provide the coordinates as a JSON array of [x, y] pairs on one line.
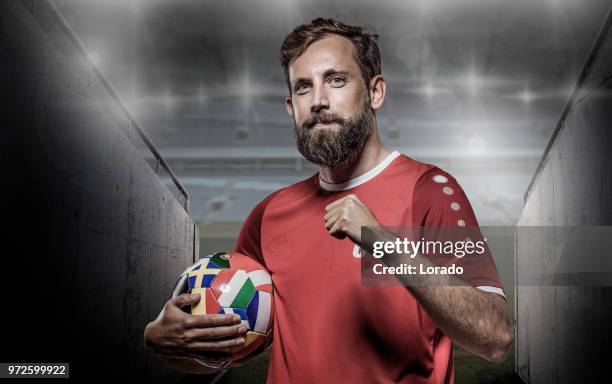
[[215, 345], [354, 197], [203, 334], [221, 354], [351, 197], [330, 221], [333, 213], [204, 321], [335, 203], [185, 299], [336, 231]]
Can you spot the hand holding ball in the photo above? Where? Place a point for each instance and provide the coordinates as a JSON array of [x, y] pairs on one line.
[[232, 283]]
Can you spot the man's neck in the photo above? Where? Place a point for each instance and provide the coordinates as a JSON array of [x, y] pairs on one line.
[[373, 154]]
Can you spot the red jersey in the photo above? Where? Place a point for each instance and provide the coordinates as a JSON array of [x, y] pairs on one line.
[[329, 328]]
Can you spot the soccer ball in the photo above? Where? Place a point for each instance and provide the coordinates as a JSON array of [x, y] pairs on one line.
[[232, 283]]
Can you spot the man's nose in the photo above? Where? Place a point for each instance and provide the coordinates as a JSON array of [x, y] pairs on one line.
[[319, 99]]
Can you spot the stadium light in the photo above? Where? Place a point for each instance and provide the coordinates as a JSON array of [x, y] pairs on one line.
[[526, 96], [429, 90]]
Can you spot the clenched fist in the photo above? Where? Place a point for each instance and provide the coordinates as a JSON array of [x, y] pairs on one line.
[[345, 217]]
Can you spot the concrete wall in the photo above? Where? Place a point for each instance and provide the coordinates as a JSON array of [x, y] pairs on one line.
[[563, 331], [92, 241]]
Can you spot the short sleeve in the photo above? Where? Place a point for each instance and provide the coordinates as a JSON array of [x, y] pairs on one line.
[[249, 239], [439, 201]]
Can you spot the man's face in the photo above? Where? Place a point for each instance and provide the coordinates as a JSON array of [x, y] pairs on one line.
[[329, 104]]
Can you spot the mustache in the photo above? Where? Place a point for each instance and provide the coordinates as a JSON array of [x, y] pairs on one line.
[[322, 118]]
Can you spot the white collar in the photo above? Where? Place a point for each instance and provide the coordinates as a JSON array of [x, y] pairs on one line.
[[352, 183]]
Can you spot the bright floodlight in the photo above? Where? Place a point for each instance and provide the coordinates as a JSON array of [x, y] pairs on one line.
[[526, 96], [428, 90]]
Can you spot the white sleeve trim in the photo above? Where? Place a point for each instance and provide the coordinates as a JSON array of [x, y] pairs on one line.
[[491, 289]]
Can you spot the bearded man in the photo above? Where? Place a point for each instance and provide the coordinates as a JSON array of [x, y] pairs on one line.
[[329, 327]]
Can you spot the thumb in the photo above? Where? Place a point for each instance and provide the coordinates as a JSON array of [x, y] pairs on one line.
[[186, 299]]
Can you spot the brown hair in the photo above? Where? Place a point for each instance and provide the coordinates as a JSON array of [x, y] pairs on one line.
[[367, 57]]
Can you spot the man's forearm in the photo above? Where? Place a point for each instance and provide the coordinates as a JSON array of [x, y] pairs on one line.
[[474, 319]]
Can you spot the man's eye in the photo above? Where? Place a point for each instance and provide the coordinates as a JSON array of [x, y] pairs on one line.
[[301, 88], [336, 81]]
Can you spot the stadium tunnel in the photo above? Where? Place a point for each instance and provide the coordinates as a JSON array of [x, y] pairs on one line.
[[98, 226], [569, 209], [96, 240]]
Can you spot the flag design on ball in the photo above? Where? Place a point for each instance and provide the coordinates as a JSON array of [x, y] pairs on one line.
[[232, 283]]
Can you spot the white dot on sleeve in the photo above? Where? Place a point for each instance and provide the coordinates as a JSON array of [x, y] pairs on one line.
[[461, 223], [455, 206], [447, 190], [440, 179]]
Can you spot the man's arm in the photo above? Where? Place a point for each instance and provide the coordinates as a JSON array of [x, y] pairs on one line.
[[476, 320]]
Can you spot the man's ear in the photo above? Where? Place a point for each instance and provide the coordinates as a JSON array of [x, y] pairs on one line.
[[378, 89], [289, 106]]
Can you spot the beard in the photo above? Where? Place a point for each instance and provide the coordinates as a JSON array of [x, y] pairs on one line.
[[330, 147]]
